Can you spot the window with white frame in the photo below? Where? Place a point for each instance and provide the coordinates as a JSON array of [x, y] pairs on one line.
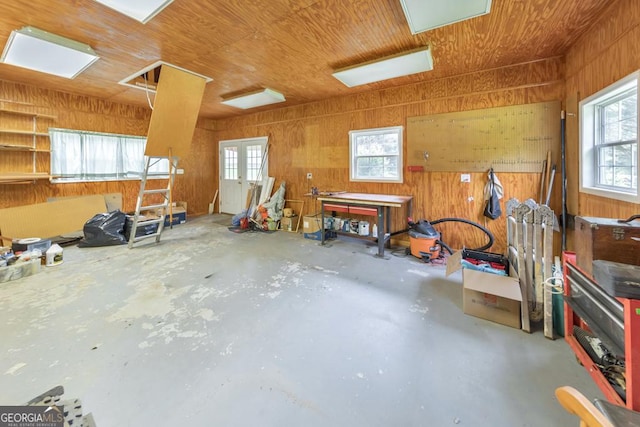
[[376, 154], [89, 156], [609, 141]]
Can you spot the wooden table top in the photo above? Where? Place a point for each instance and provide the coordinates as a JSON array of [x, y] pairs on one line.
[[365, 198]]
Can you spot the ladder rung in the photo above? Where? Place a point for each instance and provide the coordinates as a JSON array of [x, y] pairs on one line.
[[139, 221], [143, 208], [149, 222], [144, 236]]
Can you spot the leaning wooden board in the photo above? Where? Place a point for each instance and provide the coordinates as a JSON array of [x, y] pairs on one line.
[[606, 239], [49, 219]]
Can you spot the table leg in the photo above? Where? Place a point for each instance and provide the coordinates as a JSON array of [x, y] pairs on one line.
[[381, 231], [322, 223], [388, 215]]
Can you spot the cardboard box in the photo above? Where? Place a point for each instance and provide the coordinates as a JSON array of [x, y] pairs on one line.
[[179, 214], [328, 234], [179, 217], [486, 295], [311, 223], [311, 226]]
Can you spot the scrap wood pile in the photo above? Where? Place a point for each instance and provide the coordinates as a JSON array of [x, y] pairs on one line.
[[263, 211]]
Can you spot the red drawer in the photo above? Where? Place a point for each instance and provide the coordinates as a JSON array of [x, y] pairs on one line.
[[336, 208], [358, 210]]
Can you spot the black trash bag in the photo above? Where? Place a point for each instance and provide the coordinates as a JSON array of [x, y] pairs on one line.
[[105, 229]]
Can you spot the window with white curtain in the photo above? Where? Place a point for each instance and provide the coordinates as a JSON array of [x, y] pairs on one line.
[[90, 156]]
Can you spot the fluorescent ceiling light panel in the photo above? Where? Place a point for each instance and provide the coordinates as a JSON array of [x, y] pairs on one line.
[[140, 10], [415, 61], [423, 15], [48, 53], [255, 99]]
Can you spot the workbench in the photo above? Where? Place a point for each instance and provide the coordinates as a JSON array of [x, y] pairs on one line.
[[378, 205]]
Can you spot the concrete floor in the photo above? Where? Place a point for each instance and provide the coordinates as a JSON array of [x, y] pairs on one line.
[[211, 328]]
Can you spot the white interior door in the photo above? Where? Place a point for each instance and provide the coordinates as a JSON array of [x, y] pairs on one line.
[[242, 162]]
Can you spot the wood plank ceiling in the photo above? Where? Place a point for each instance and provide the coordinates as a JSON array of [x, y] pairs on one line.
[[292, 46]]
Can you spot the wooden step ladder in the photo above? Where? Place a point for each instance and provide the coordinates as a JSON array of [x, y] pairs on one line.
[[145, 196]]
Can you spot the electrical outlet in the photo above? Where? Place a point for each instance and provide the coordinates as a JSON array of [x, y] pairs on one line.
[[309, 175], [465, 177], [180, 171]]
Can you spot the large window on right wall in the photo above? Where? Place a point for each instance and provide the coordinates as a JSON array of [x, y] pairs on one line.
[[609, 141]]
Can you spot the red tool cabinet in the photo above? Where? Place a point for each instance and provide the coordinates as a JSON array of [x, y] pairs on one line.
[[631, 326]]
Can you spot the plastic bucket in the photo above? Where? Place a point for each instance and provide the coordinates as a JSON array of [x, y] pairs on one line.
[[53, 255], [363, 228]]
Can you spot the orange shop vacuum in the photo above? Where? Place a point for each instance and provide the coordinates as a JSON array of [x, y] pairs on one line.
[[424, 241]]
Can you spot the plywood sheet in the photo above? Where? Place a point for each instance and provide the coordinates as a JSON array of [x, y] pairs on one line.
[[113, 201], [175, 112], [509, 139], [49, 219]]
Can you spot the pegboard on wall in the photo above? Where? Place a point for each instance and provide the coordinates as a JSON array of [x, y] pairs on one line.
[[509, 139]]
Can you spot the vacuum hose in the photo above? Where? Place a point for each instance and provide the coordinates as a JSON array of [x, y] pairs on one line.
[[445, 246], [466, 221]]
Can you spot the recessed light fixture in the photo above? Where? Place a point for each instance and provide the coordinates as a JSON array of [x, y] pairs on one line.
[[255, 99], [140, 10], [426, 15], [404, 64], [48, 53]]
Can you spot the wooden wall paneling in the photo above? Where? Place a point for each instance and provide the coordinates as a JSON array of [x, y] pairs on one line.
[[301, 135], [196, 186], [317, 141], [603, 55], [200, 179], [460, 85], [484, 81]]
